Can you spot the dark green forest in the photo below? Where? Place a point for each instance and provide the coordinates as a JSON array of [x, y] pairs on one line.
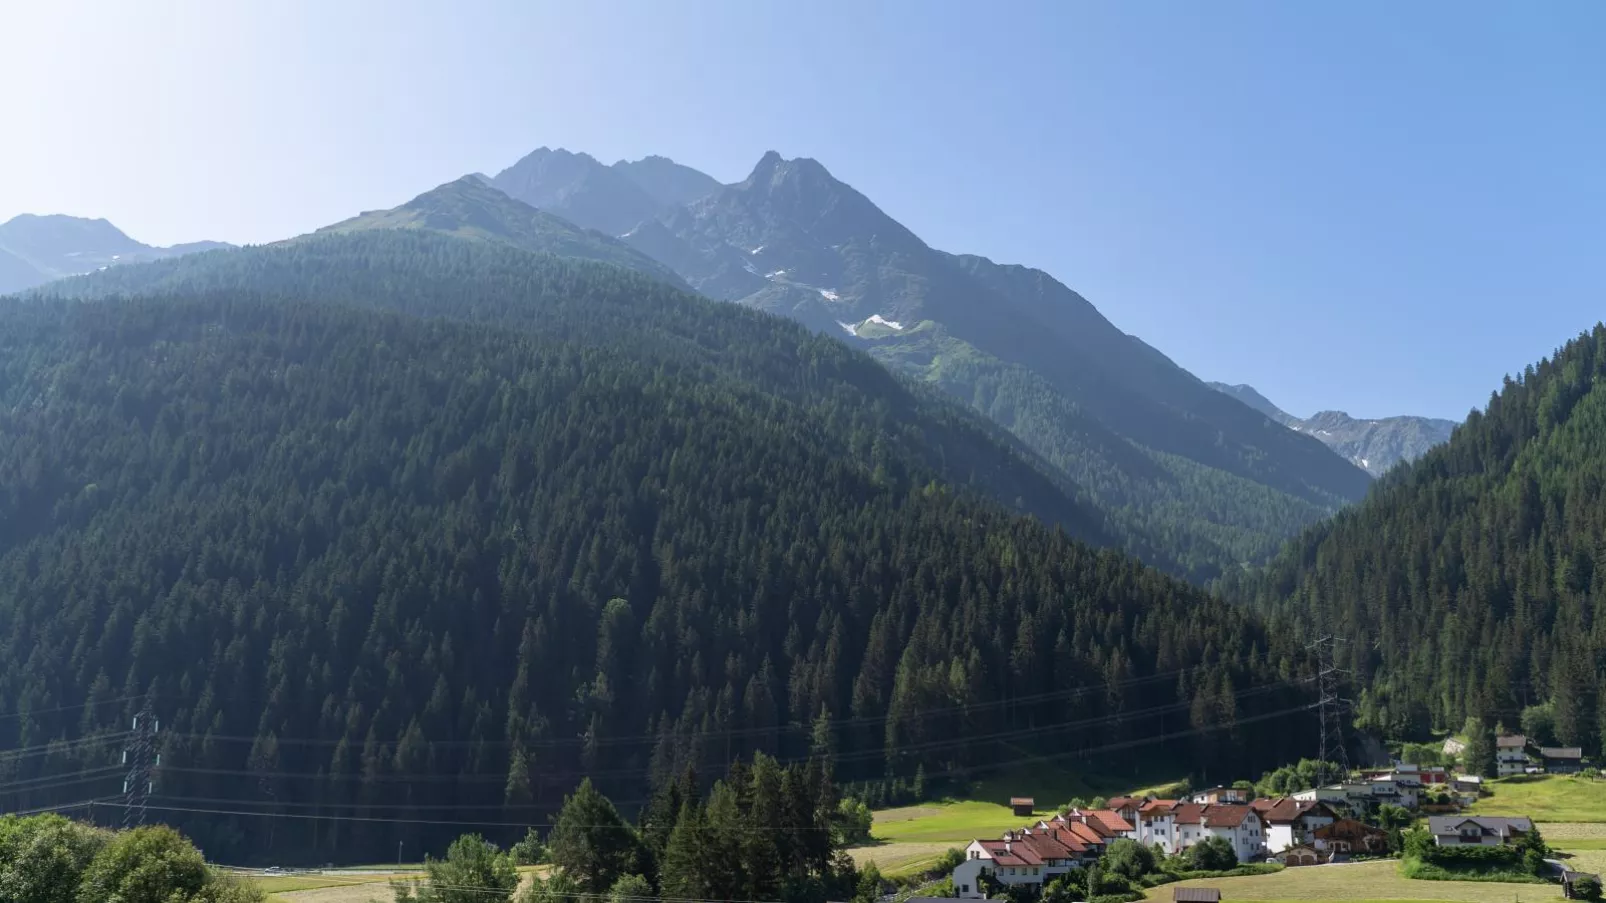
[[1473, 582], [400, 535]]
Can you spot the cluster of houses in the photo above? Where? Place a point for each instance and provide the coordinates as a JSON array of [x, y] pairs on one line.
[[1308, 828], [1516, 754]]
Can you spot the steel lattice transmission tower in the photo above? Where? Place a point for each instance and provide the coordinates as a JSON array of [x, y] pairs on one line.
[[1331, 709], [141, 758]]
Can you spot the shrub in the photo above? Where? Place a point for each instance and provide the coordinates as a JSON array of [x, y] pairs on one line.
[[854, 820], [1213, 854], [1587, 888], [1129, 858], [530, 850]]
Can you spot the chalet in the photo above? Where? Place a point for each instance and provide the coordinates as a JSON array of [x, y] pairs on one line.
[[1239, 825], [1467, 783], [1156, 825], [1220, 795], [1023, 806], [1481, 830], [1029, 856], [1511, 754], [1347, 835], [1126, 806], [1290, 822], [1107, 823], [1302, 854], [1562, 759]]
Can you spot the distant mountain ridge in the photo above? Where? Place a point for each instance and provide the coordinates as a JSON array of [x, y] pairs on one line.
[[1373, 445], [1150, 442], [472, 208], [35, 249]]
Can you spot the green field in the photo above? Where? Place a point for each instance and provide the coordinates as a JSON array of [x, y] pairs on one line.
[[1372, 882], [1545, 798], [909, 839]]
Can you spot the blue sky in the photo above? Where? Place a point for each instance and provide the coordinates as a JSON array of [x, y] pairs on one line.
[[1378, 207]]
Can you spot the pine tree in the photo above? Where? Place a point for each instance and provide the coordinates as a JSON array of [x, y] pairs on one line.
[[590, 844]]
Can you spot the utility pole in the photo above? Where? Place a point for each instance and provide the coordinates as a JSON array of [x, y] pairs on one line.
[[1330, 710], [141, 758]]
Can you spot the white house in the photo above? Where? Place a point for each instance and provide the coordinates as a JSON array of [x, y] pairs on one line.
[[1155, 825], [1290, 822], [1241, 826], [1482, 830], [1029, 856], [1332, 793], [1511, 754]]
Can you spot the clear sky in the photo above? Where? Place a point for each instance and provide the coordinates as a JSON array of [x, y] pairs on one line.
[[1381, 207]]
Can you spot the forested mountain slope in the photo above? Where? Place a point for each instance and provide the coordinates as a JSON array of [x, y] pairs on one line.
[[1473, 582], [1146, 438], [406, 528]]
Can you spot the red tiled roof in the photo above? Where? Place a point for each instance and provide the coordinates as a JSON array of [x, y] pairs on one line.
[[1111, 820], [1157, 807], [1085, 833], [1188, 813], [1264, 804], [1226, 816], [1122, 802], [1009, 852]]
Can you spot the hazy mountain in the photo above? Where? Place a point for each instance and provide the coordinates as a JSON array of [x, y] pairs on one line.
[[471, 208], [1373, 445], [668, 182], [36, 249], [579, 189], [1150, 441]]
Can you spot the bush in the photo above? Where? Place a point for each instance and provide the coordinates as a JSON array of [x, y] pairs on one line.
[[1587, 888], [530, 850], [947, 863], [1129, 858], [1213, 854], [853, 822]]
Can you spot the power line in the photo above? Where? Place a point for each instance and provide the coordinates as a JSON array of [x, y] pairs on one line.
[[25, 713], [59, 746], [631, 739], [304, 816]]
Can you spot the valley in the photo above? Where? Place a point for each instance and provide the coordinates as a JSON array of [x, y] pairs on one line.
[[749, 453]]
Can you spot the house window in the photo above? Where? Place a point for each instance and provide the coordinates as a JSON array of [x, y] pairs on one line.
[[1035, 869], [964, 888]]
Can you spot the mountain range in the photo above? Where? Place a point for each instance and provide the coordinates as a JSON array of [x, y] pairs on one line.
[[438, 509], [1146, 440], [37, 249], [1183, 475], [1373, 445], [398, 518]]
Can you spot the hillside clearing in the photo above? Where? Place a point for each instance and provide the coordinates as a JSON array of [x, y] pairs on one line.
[[1545, 798], [1372, 881]]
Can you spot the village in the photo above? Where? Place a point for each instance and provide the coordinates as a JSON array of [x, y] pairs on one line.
[[1338, 822]]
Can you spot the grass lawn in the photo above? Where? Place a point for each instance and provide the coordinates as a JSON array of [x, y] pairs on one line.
[[1363, 881], [909, 839], [1545, 798]]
